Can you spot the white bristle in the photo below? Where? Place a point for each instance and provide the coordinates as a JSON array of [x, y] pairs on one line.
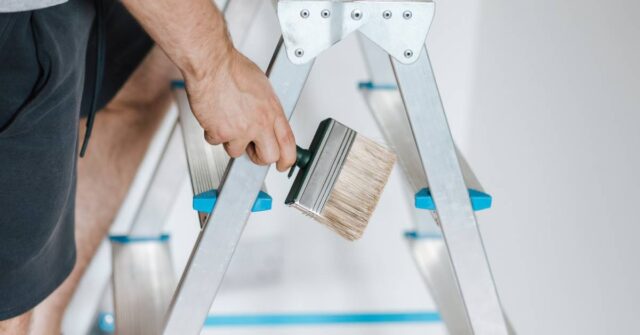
[[358, 188]]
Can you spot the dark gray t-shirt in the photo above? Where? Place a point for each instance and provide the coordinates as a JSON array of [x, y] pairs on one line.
[[7, 6]]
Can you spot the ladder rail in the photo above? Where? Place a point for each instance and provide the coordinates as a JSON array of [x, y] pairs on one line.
[[219, 237], [430, 254], [438, 155], [389, 113], [160, 194]]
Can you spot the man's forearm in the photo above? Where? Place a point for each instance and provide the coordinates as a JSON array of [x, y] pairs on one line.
[[192, 33], [229, 95]]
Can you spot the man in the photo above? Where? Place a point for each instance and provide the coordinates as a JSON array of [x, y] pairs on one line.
[[60, 61]]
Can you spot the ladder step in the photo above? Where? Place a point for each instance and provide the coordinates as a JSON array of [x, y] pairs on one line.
[[106, 322], [143, 282], [299, 319], [370, 85], [204, 202], [124, 239], [418, 235], [479, 200], [177, 84]]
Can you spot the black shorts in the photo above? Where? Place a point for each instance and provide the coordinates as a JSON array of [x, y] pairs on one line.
[[47, 78]]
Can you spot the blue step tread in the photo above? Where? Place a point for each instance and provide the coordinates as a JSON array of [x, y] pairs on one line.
[[177, 84], [204, 202], [107, 323], [371, 86], [479, 200], [124, 239], [417, 235]]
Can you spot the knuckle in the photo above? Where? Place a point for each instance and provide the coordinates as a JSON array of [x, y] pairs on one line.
[[234, 151], [212, 138], [263, 118], [258, 159], [244, 128], [290, 160], [222, 133], [270, 157], [275, 103], [286, 137]]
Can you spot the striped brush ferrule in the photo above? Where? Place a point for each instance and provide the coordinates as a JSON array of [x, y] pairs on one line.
[[315, 181]]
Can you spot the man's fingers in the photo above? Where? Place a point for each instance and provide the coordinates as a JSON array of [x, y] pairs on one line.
[[264, 150], [236, 148], [286, 143], [251, 152], [211, 139]]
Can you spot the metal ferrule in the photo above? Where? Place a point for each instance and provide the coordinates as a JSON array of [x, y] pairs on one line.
[[314, 184]]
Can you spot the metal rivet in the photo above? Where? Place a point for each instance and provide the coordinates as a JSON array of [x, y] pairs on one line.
[[386, 14], [325, 13], [407, 14], [304, 13], [408, 53], [299, 52], [356, 14]]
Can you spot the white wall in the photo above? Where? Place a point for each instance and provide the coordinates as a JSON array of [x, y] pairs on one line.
[[553, 133]]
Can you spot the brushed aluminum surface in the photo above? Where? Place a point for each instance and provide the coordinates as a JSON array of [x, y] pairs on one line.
[[438, 155], [401, 37], [217, 240], [143, 281], [324, 169]]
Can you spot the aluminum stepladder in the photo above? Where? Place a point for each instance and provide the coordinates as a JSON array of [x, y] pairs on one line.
[[308, 28], [288, 75]]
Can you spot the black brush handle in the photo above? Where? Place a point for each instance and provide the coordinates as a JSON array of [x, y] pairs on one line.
[[303, 156]]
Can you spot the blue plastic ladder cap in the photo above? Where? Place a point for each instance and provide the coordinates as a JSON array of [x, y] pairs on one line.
[[369, 85], [106, 323], [479, 200], [124, 239], [263, 203], [416, 235], [177, 84], [204, 202]]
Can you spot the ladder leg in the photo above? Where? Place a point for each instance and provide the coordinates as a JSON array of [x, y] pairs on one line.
[[217, 241], [429, 251], [438, 155]]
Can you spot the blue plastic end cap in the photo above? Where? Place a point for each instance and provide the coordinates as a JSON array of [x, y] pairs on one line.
[[124, 239], [370, 86], [106, 322], [206, 201], [177, 84], [479, 200], [417, 235]]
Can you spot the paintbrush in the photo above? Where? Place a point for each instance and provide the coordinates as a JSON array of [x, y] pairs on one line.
[[341, 177]]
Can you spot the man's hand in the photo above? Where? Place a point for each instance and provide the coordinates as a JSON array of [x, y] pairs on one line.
[[229, 95], [237, 107]]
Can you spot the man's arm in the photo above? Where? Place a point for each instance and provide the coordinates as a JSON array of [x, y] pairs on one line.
[[229, 95]]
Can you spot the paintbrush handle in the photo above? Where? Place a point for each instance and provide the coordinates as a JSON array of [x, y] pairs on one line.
[[303, 156]]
